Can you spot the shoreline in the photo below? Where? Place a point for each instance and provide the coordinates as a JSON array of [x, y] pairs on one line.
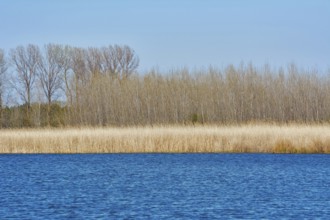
[[249, 138]]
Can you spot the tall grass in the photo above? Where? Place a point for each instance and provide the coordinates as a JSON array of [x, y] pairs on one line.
[[170, 139]]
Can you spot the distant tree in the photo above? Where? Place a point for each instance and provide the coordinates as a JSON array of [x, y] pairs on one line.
[[50, 71], [25, 61], [79, 66], [120, 61], [3, 68], [110, 61], [65, 61], [127, 59], [81, 79], [94, 60]]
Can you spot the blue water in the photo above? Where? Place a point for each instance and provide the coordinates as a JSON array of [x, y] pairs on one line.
[[164, 186]]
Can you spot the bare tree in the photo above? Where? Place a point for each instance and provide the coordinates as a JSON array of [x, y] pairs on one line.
[[119, 61], [3, 69], [110, 60], [79, 66], [95, 62], [81, 78], [50, 71], [127, 59], [25, 60], [64, 59]]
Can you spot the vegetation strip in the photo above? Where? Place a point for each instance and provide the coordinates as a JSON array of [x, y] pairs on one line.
[[65, 86], [170, 139]]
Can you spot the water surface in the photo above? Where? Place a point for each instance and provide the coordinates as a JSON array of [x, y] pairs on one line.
[[164, 186]]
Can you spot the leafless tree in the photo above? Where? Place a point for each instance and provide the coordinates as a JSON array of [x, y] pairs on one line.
[[50, 71], [120, 61], [110, 61], [79, 66], [25, 61], [64, 59], [3, 69], [127, 59], [94, 60]]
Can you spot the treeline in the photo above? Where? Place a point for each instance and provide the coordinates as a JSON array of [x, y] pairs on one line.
[[233, 95], [41, 75], [102, 88]]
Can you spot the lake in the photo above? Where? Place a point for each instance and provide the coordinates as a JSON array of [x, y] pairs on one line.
[[164, 186]]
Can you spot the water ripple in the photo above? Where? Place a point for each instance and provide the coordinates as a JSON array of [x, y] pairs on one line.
[[163, 186]]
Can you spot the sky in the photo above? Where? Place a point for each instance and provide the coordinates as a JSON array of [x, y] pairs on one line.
[[170, 34]]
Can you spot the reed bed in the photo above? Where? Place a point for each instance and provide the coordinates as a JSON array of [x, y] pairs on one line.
[[170, 139]]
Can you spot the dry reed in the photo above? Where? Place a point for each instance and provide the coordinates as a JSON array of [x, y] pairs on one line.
[[170, 139]]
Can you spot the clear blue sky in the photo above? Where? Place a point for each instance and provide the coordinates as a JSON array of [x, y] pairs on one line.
[[175, 33]]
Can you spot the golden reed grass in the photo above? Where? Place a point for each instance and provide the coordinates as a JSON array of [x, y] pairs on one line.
[[170, 139]]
